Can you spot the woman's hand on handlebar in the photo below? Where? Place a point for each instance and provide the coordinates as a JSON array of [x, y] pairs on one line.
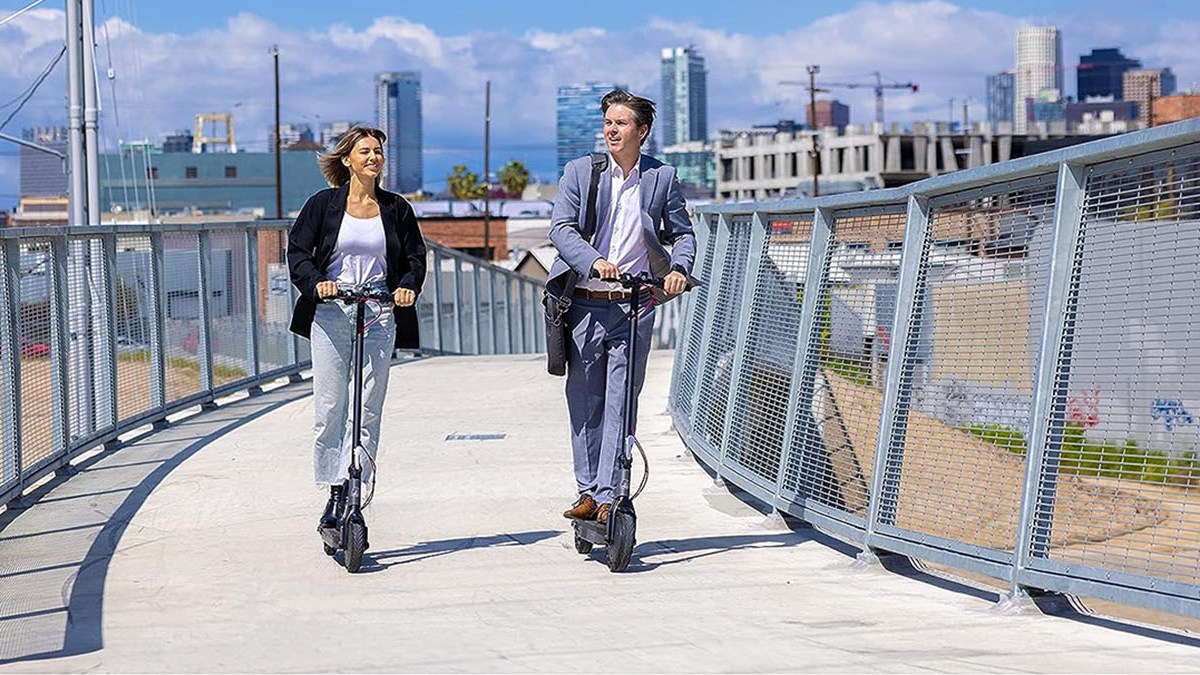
[[404, 297], [674, 283], [327, 289]]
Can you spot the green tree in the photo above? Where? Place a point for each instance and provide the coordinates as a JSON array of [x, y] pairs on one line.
[[464, 184], [514, 177]]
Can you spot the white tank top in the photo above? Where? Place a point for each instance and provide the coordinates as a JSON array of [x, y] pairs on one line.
[[361, 253]]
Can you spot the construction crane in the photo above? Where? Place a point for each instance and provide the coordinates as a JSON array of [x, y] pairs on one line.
[[879, 85]]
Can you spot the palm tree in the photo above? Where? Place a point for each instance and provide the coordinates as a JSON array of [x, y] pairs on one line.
[[514, 177], [464, 184]]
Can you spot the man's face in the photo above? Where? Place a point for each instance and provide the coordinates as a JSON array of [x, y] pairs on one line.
[[622, 133]]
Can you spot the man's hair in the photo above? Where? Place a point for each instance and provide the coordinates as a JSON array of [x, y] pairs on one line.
[[336, 173], [642, 108]]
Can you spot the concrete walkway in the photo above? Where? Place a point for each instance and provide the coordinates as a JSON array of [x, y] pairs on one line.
[[193, 549]]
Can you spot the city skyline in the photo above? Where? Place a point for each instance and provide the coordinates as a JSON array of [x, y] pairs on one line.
[[168, 67]]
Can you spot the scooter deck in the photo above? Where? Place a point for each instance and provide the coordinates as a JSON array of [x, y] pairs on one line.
[[591, 530]]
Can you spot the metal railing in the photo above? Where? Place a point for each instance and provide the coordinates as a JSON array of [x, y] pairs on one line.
[[105, 329], [992, 369]]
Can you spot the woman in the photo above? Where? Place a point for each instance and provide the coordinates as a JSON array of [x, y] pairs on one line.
[[354, 233]]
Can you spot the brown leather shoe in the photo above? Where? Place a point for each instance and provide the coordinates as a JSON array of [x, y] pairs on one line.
[[602, 513], [584, 508]]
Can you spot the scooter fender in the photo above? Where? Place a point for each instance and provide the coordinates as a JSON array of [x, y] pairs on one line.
[[622, 506]]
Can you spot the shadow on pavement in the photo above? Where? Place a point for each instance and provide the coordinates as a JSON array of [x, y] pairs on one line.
[[85, 603], [378, 561]]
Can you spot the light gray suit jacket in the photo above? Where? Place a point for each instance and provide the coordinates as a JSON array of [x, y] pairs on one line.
[[662, 200]]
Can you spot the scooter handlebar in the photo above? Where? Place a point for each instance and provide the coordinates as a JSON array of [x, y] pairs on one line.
[[640, 280], [353, 294]]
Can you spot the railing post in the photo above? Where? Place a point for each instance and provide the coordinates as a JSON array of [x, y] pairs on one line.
[[893, 410], [10, 289], [478, 308], [493, 326], [158, 323], [108, 329], [458, 304], [437, 299], [205, 350], [1053, 367], [60, 344], [802, 382], [710, 312], [253, 286], [754, 256]]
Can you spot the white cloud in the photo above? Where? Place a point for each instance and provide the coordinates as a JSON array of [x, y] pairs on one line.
[[164, 79]]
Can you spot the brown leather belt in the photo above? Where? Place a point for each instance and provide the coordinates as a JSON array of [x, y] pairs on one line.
[[611, 296]]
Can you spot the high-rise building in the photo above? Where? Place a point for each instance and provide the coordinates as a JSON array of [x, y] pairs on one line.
[[828, 114], [683, 112], [1039, 68], [1100, 74], [1001, 90], [1143, 86], [43, 174], [579, 120], [398, 111]]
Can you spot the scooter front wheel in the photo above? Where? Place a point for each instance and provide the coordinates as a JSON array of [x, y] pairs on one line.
[[620, 549], [356, 543]]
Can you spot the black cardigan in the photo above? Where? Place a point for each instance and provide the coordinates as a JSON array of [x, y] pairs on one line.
[[313, 238]]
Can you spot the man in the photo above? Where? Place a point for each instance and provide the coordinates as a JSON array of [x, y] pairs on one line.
[[639, 208]]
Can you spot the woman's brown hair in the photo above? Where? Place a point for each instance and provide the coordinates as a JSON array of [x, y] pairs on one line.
[[337, 173]]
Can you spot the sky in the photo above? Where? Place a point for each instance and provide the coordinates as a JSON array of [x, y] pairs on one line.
[[170, 59]]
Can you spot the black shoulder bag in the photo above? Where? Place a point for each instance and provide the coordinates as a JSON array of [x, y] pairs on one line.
[[557, 304]]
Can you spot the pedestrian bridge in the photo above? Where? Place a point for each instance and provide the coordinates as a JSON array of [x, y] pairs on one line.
[[970, 397]]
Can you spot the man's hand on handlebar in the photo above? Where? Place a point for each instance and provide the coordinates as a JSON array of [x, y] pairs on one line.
[[674, 283], [404, 297], [603, 269], [327, 289]]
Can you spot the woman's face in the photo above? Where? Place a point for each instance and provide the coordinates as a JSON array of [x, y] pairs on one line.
[[366, 159]]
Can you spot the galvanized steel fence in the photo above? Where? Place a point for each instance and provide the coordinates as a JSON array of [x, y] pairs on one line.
[[992, 369], [105, 329]]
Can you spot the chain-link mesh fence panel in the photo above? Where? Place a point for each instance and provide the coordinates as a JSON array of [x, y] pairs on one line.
[[9, 401], [181, 311], [717, 369], [229, 307], [760, 403], [957, 469], [502, 312], [427, 306], [1120, 484], [833, 440], [468, 308], [134, 314], [89, 390], [689, 371], [33, 345], [274, 301]]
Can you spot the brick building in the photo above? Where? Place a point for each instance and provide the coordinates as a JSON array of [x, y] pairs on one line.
[[1167, 109], [466, 233]]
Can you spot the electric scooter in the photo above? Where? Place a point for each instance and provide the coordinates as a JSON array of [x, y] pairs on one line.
[[350, 534], [619, 534]]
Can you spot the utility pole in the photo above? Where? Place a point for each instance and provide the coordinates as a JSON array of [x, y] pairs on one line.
[[278, 159], [812, 125], [487, 183]]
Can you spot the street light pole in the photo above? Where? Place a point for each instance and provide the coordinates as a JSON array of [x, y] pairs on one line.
[[812, 125], [278, 159], [487, 183]]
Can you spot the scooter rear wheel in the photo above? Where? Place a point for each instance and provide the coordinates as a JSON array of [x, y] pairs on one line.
[[355, 545], [620, 549], [329, 550], [582, 546]]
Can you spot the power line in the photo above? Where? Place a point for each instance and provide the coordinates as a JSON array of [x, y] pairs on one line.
[[21, 11], [33, 89]]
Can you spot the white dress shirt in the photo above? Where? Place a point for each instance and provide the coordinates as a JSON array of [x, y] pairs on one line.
[[627, 225]]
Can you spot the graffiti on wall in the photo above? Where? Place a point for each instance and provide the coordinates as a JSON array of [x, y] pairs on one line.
[[1084, 408], [1171, 412]]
